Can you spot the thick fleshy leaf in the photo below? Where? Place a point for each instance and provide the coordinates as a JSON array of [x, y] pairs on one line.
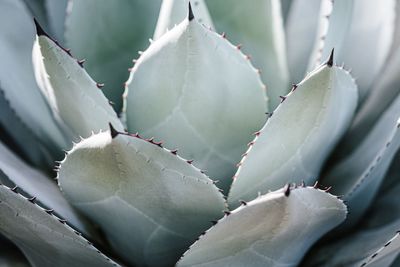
[[258, 25], [43, 238], [150, 203], [197, 92], [18, 84], [275, 229], [356, 28], [370, 239], [299, 136], [172, 12], [109, 34], [301, 32], [35, 183], [358, 176], [74, 97]]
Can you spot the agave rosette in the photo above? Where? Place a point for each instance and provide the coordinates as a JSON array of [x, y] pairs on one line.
[[276, 175]]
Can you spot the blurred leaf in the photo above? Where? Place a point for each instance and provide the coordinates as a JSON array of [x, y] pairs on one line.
[[358, 175], [174, 11], [361, 31], [17, 80], [73, 96], [35, 183], [25, 141], [56, 14], [384, 90], [43, 238], [302, 26], [150, 203], [259, 27], [109, 34], [275, 229], [197, 92], [294, 143], [371, 236]]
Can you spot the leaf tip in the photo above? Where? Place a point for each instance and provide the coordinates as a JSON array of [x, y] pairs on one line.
[[190, 16], [39, 29], [329, 63], [113, 132], [287, 190]]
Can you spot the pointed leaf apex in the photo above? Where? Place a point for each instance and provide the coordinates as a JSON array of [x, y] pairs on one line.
[[329, 63], [190, 16], [113, 132], [39, 29], [287, 190]]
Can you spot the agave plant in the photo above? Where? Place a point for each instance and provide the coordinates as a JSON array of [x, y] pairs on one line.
[[278, 175]]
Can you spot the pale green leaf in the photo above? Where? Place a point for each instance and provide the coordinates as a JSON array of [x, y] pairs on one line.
[[258, 25], [43, 238], [301, 27], [295, 142], [31, 147], [361, 31], [73, 96], [358, 176], [275, 229], [367, 242], [150, 203], [17, 80], [172, 12], [384, 91], [109, 34], [36, 184], [197, 92], [56, 14]]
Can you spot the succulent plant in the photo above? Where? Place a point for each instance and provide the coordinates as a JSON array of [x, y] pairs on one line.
[[278, 175]]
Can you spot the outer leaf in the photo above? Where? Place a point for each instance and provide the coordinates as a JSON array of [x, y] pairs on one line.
[[73, 96], [56, 13], [188, 70], [109, 34], [385, 255], [30, 146], [297, 139], [370, 238], [43, 238], [34, 183], [301, 31], [356, 28], [358, 176], [383, 92], [259, 27], [150, 203], [174, 11], [17, 79], [273, 230]]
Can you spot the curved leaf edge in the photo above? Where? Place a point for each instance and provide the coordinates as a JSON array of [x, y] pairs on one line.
[[222, 35], [328, 63], [380, 250], [243, 204], [375, 161], [80, 62], [51, 213], [114, 133]]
